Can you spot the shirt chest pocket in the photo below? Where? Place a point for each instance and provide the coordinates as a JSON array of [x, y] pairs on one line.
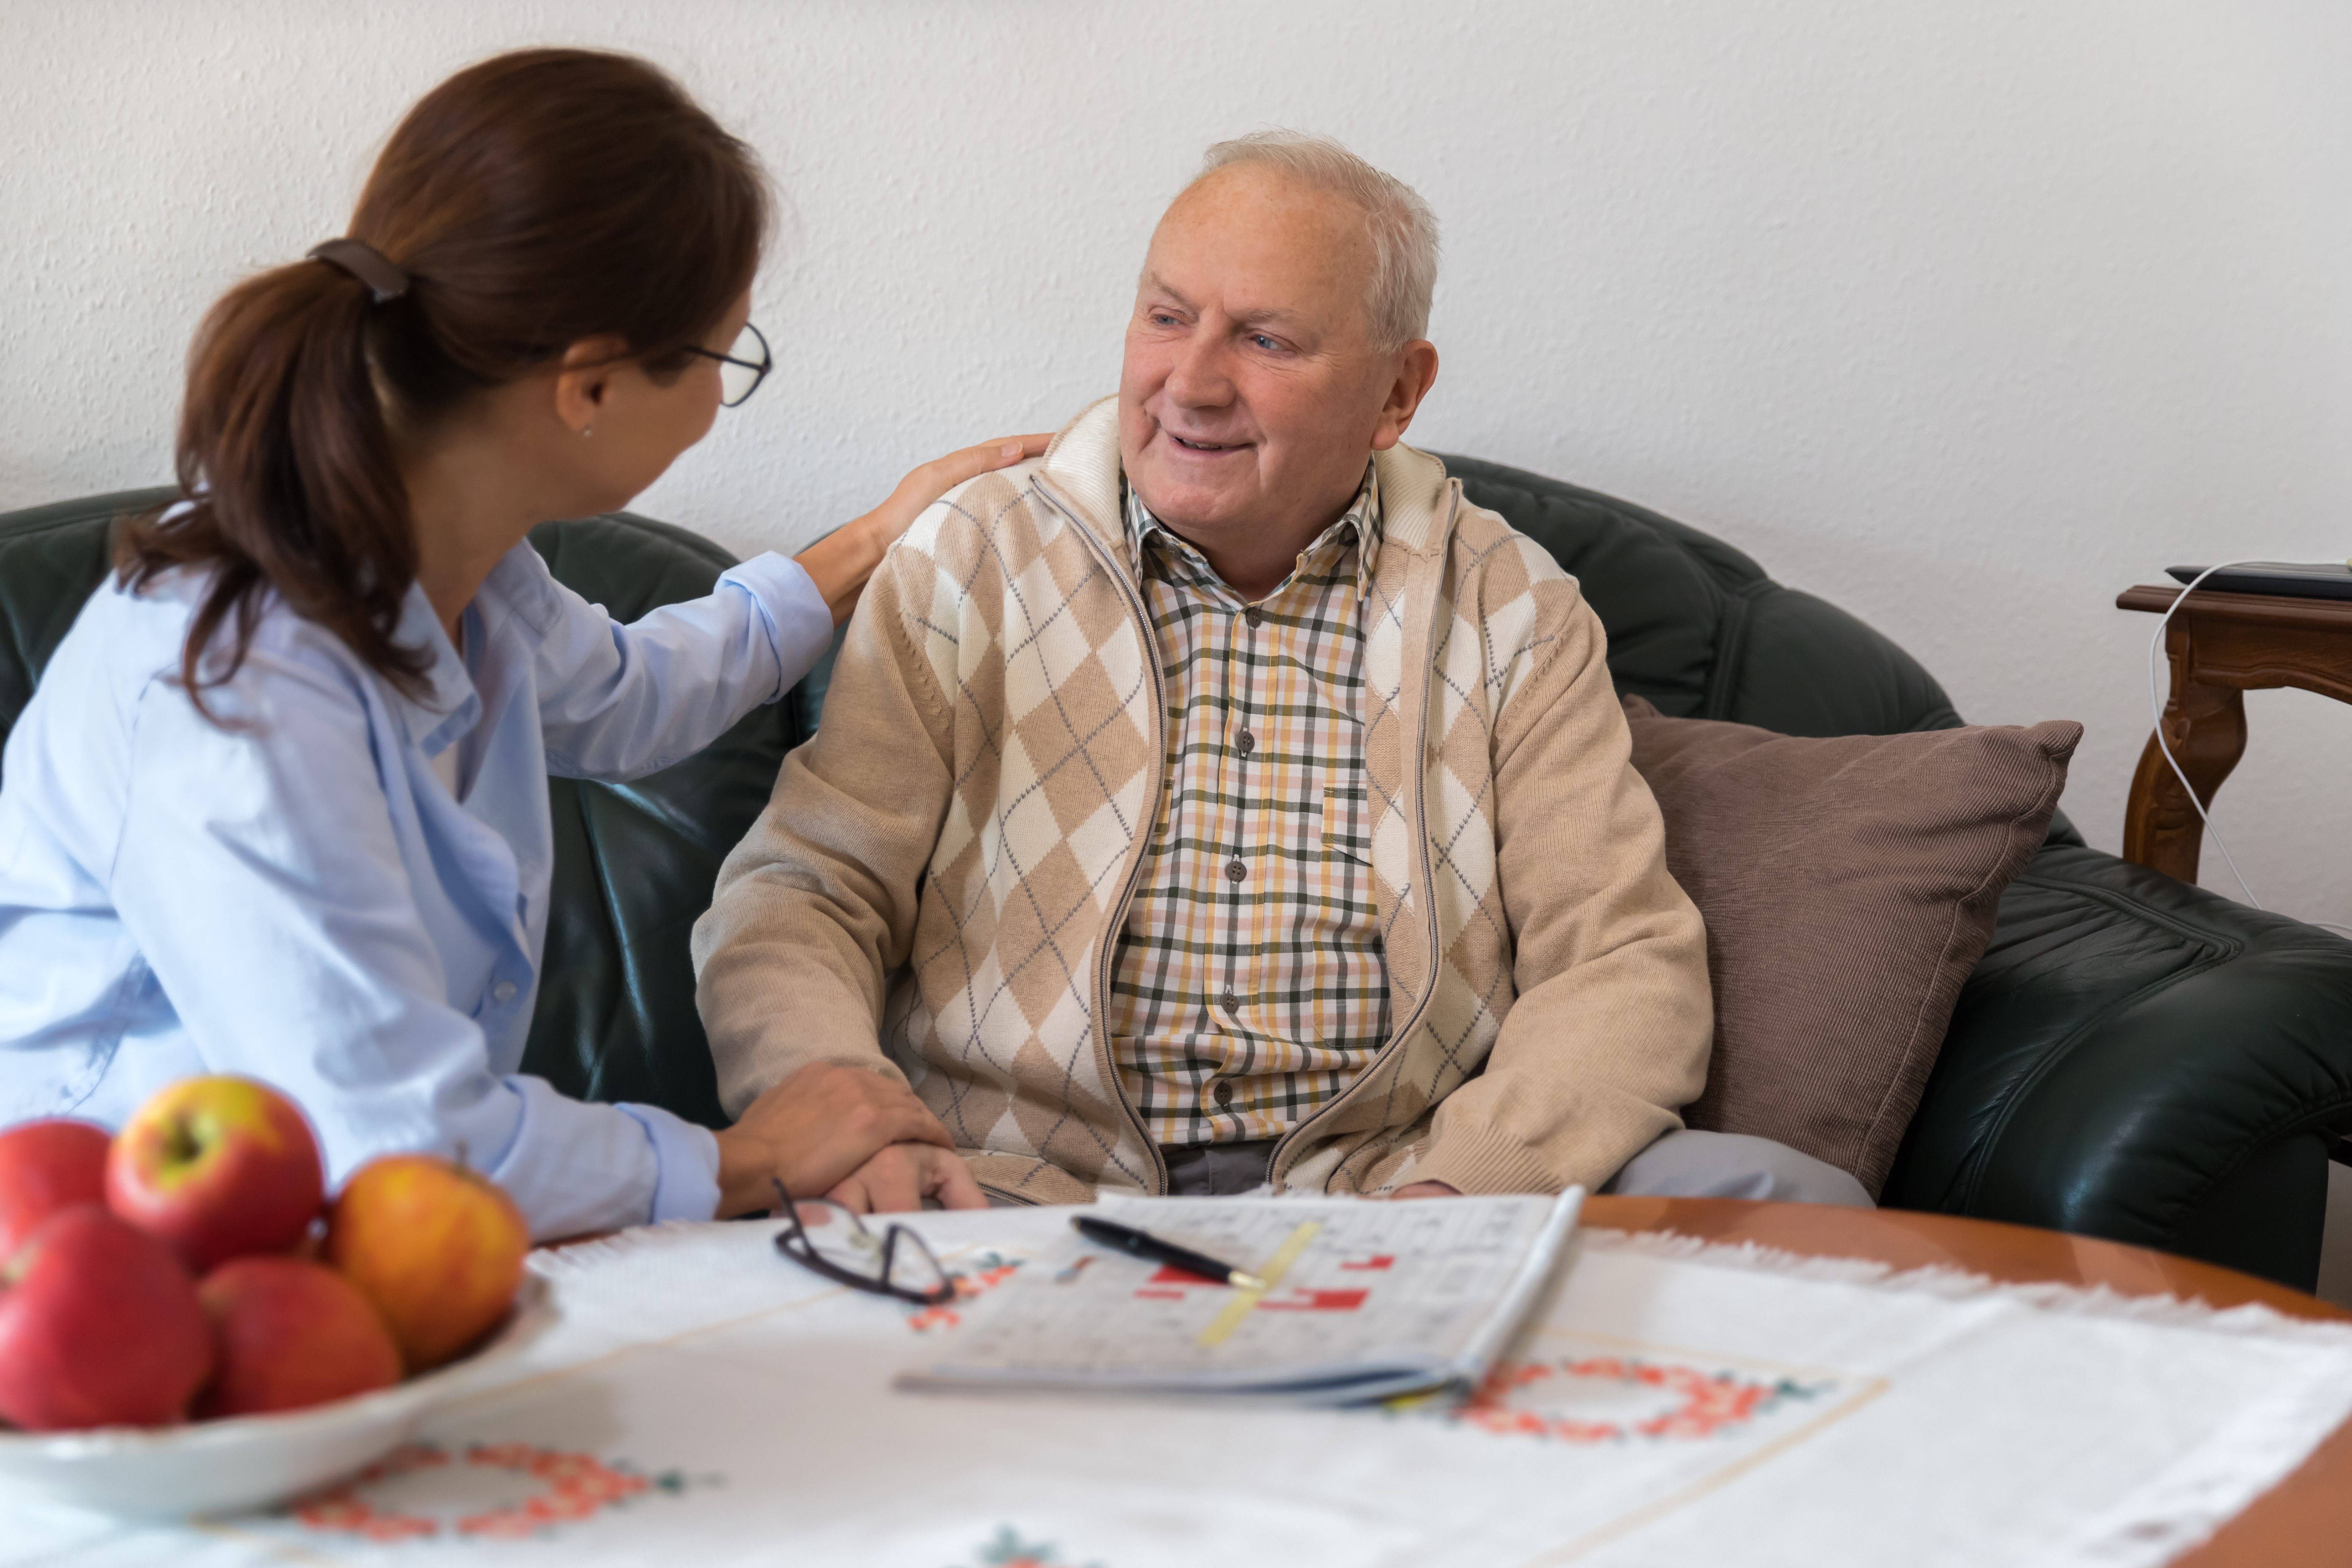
[[1344, 830]]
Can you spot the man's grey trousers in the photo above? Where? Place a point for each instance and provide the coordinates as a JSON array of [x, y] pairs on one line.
[[1686, 1164]]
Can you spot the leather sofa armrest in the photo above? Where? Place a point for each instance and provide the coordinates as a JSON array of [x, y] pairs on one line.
[[2139, 1060]]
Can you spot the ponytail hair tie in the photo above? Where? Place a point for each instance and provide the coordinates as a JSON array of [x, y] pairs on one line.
[[365, 262]]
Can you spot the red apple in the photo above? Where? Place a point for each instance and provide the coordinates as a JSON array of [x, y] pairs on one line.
[[46, 1166], [99, 1327], [217, 1167], [290, 1333], [437, 1248]]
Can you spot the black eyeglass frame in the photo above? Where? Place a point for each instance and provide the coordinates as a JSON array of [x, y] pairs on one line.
[[806, 1254], [759, 372]]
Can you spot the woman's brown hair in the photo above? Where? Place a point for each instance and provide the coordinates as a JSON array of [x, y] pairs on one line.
[[534, 200]]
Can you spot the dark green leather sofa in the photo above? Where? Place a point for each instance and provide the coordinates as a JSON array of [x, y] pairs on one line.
[[2133, 1058]]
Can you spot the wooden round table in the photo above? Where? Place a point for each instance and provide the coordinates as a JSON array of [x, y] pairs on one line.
[[2306, 1519]]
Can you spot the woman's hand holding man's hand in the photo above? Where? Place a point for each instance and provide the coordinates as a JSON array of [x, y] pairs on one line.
[[900, 1178], [821, 1128]]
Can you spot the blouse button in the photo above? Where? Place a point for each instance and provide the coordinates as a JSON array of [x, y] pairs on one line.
[[1252, 616], [1224, 1094], [1236, 870], [1230, 1000], [1245, 743], [503, 992]]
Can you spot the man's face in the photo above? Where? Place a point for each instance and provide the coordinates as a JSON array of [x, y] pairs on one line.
[[1253, 392]]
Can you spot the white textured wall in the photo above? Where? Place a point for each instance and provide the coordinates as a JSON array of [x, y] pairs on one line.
[[1964, 316]]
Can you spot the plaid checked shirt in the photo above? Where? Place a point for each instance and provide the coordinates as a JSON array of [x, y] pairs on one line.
[[1250, 985]]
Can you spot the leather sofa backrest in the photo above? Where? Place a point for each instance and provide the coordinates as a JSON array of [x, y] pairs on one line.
[[1697, 627], [51, 557]]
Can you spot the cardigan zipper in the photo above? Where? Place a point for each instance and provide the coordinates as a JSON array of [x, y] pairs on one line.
[[1108, 956], [1428, 885]]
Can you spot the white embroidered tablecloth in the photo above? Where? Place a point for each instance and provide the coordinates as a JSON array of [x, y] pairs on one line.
[[703, 1401]]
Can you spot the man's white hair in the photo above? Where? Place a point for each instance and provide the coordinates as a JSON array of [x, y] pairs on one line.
[[1402, 229]]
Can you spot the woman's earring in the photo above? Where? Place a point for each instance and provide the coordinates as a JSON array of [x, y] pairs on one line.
[[587, 430]]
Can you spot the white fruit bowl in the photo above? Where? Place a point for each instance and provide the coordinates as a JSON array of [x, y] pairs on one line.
[[246, 1461]]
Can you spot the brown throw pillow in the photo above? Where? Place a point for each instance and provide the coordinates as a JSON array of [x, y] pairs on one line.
[[1849, 886]]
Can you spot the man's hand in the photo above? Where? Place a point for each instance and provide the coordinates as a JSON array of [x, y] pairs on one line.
[[813, 1130], [1425, 1189], [900, 1177]]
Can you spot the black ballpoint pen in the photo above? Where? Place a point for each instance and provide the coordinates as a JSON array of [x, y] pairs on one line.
[[1142, 1244]]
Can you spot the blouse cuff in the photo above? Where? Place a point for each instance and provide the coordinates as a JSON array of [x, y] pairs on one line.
[[800, 623], [686, 1160]]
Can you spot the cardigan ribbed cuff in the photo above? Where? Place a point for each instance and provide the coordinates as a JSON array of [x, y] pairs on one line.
[[1476, 1160]]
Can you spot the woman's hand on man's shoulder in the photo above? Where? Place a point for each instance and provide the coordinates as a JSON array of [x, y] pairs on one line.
[[842, 562]]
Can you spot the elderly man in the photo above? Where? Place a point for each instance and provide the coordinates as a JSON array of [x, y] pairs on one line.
[[1223, 799]]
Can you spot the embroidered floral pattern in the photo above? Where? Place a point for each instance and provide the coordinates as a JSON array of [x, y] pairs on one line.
[[340, 1508], [1704, 1404], [572, 1486], [1007, 1550], [577, 1486], [986, 1273]]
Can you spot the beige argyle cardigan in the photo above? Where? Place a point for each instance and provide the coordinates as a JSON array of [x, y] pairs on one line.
[[948, 864]]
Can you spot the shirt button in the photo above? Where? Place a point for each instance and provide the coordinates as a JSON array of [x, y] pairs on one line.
[[503, 992], [1252, 616], [1230, 1000], [1247, 742], [1223, 1095], [1236, 870]]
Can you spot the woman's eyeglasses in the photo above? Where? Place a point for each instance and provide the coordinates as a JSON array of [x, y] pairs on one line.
[[823, 1236], [743, 368]]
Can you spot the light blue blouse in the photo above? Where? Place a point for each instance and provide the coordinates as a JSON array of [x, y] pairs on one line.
[[300, 899]]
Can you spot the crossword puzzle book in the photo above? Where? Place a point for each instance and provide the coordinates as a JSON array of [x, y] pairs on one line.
[[1364, 1300]]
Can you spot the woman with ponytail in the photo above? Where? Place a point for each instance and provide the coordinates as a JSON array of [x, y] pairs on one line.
[[280, 805]]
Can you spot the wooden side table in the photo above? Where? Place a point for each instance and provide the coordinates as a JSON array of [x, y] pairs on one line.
[[2305, 1520], [2222, 646]]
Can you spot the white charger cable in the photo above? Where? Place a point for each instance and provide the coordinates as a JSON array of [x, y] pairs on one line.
[[2155, 706]]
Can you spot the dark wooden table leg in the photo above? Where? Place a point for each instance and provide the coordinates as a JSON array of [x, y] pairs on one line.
[[2221, 646], [2206, 727]]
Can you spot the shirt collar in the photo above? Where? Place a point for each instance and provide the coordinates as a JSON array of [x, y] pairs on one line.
[[449, 705], [1362, 522]]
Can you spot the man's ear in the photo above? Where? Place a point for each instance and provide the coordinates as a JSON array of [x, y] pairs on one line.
[[583, 377], [1416, 373]]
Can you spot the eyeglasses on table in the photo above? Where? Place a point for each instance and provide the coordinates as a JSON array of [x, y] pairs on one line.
[[823, 1236]]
